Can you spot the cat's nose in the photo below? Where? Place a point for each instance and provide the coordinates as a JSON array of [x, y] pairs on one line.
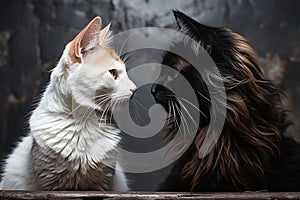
[[157, 86], [154, 89], [133, 90]]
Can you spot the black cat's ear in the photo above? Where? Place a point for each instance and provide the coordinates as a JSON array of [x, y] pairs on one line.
[[200, 32], [191, 25], [185, 21]]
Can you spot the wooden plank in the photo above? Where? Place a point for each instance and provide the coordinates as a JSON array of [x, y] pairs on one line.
[[146, 195]]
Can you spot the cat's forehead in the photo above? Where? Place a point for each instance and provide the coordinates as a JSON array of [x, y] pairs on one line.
[[113, 54], [102, 57]]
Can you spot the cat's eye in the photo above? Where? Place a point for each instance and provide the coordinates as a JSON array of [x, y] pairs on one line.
[[169, 78], [172, 77], [114, 73]]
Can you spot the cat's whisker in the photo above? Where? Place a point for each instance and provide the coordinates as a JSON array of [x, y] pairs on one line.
[[125, 59], [175, 117], [111, 110], [103, 112], [137, 113], [111, 113], [122, 46], [193, 106], [181, 129], [171, 95], [169, 113], [185, 124], [87, 111], [206, 98], [137, 102], [179, 113], [102, 95], [181, 104], [86, 115], [102, 101], [73, 110], [106, 114], [79, 106], [116, 105]]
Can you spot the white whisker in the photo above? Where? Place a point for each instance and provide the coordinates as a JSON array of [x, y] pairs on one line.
[[122, 46], [187, 112], [192, 105], [111, 113], [103, 113], [175, 117], [185, 124], [137, 102], [207, 99]]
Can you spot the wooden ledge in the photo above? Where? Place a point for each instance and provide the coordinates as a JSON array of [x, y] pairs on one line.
[[146, 195]]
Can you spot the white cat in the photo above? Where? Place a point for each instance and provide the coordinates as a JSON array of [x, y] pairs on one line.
[[73, 141]]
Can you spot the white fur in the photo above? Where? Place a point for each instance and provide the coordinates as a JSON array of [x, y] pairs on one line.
[[120, 182], [17, 168], [59, 122]]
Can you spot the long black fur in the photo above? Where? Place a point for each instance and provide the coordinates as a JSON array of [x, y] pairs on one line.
[[252, 153]]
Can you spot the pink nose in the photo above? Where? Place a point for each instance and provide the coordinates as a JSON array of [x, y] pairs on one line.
[[133, 90]]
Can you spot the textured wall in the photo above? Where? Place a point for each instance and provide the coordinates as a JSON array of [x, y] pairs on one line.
[[33, 34]]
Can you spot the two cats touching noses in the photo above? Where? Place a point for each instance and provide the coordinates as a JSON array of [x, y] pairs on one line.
[[73, 141]]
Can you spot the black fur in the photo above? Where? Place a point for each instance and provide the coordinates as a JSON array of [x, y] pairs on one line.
[[253, 130]]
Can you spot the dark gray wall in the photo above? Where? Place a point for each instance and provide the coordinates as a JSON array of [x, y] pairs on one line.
[[33, 34]]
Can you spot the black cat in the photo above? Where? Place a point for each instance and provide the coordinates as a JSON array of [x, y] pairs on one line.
[[251, 153]]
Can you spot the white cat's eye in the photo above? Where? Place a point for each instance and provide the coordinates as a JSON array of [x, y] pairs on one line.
[[114, 73]]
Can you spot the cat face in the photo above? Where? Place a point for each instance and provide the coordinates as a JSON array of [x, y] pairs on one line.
[[97, 76], [235, 59]]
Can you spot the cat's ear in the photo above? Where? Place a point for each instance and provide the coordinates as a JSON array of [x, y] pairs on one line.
[[103, 33], [198, 31], [85, 39], [185, 21]]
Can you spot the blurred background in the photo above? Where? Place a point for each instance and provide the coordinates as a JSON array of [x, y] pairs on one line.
[[33, 34]]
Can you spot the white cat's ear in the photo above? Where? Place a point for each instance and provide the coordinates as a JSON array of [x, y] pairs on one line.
[[88, 37], [103, 33]]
